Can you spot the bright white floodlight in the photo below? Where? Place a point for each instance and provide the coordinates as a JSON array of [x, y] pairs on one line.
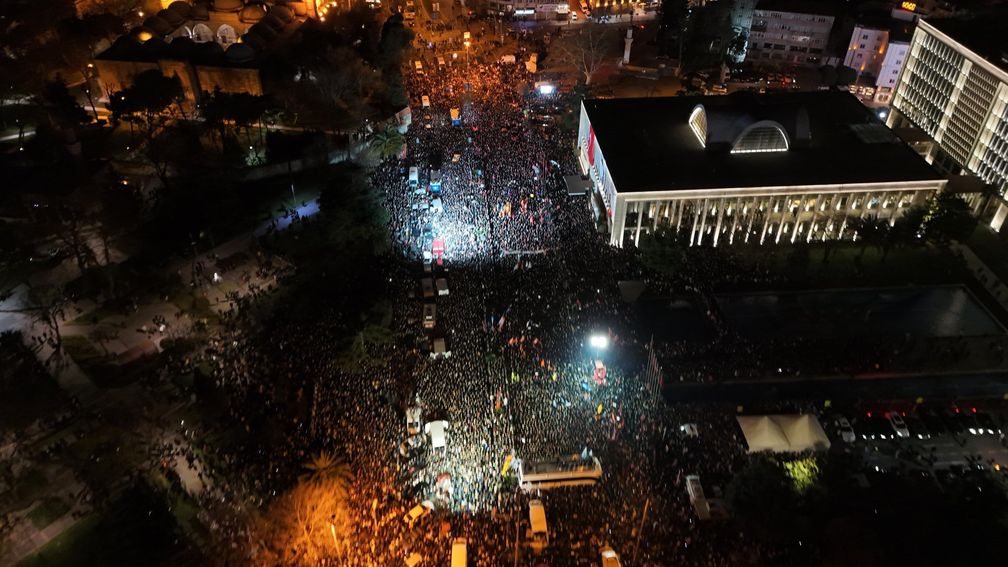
[[599, 341]]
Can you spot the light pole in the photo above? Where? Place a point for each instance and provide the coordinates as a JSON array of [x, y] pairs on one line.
[[467, 57]]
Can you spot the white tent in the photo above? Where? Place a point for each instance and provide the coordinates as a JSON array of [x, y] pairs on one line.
[[783, 433], [436, 430]]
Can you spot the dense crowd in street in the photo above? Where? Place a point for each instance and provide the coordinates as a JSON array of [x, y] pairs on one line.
[[530, 281]]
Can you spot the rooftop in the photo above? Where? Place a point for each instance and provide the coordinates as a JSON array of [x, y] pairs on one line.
[[831, 138], [982, 33], [823, 7]]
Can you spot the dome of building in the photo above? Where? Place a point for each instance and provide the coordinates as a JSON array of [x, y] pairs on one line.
[[274, 23], [252, 13], [264, 31], [227, 5], [253, 40], [200, 13], [240, 53], [208, 52], [155, 48], [282, 13], [124, 47], [142, 34], [173, 18], [158, 26], [182, 47], [181, 8]]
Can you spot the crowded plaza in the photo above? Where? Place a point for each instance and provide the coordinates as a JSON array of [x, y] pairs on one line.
[[531, 358]]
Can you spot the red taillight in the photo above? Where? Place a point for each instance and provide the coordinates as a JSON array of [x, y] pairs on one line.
[[974, 410], [868, 414]]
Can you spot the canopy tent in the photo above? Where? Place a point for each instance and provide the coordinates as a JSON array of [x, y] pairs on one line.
[[783, 433], [436, 430]]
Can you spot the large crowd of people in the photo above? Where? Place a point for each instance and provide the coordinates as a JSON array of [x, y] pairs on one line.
[[529, 282]]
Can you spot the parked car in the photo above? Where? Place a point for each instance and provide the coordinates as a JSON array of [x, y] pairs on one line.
[[932, 421], [917, 428], [987, 423], [846, 431], [898, 425]]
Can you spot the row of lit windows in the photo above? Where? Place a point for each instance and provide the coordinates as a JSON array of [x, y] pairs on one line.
[[792, 205]]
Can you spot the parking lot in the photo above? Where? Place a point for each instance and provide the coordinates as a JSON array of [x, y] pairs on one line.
[[928, 438]]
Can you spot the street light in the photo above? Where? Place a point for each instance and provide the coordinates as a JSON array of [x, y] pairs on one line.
[[598, 341], [467, 56]]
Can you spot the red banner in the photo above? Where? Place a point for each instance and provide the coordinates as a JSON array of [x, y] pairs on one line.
[[591, 146]]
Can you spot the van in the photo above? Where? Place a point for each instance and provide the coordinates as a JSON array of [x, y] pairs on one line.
[[429, 315], [441, 284], [440, 61], [435, 181], [414, 178], [609, 557], [458, 554], [414, 425], [427, 285], [418, 66], [425, 100], [539, 533], [417, 513]]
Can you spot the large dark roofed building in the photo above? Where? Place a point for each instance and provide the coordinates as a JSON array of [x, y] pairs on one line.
[[818, 127], [746, 155]]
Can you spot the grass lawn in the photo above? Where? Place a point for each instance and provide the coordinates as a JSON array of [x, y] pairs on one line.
[[27, 391], [91, 360], [64, 548], [197, 307], [28, 487], [848, 267], [138, 529], [48, 511]]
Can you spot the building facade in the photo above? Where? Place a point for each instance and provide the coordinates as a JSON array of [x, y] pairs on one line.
[[745, 168], [959, 98], [208, 46], [789, 33], [889, 72]]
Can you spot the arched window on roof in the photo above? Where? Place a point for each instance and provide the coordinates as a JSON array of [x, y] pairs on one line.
[[698, 123], [763, 136]]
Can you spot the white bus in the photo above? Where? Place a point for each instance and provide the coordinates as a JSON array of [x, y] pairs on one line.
[[563, 471]]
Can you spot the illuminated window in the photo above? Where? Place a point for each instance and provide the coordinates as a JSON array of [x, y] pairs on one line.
[[761, 137], [698, 123]]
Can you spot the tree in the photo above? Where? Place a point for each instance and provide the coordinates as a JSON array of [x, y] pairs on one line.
[[61, 107], [845, 75], [588, 48], [950, 218], [310, 521], [673, 18], [798, 257], [47, 305], [763, 498], [871, 230], [663, 251], [148, 100], [387, 141], [326, 467]]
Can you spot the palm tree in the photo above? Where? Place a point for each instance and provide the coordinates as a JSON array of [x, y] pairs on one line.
[[871, 230], [324, 468], [387, 141]]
